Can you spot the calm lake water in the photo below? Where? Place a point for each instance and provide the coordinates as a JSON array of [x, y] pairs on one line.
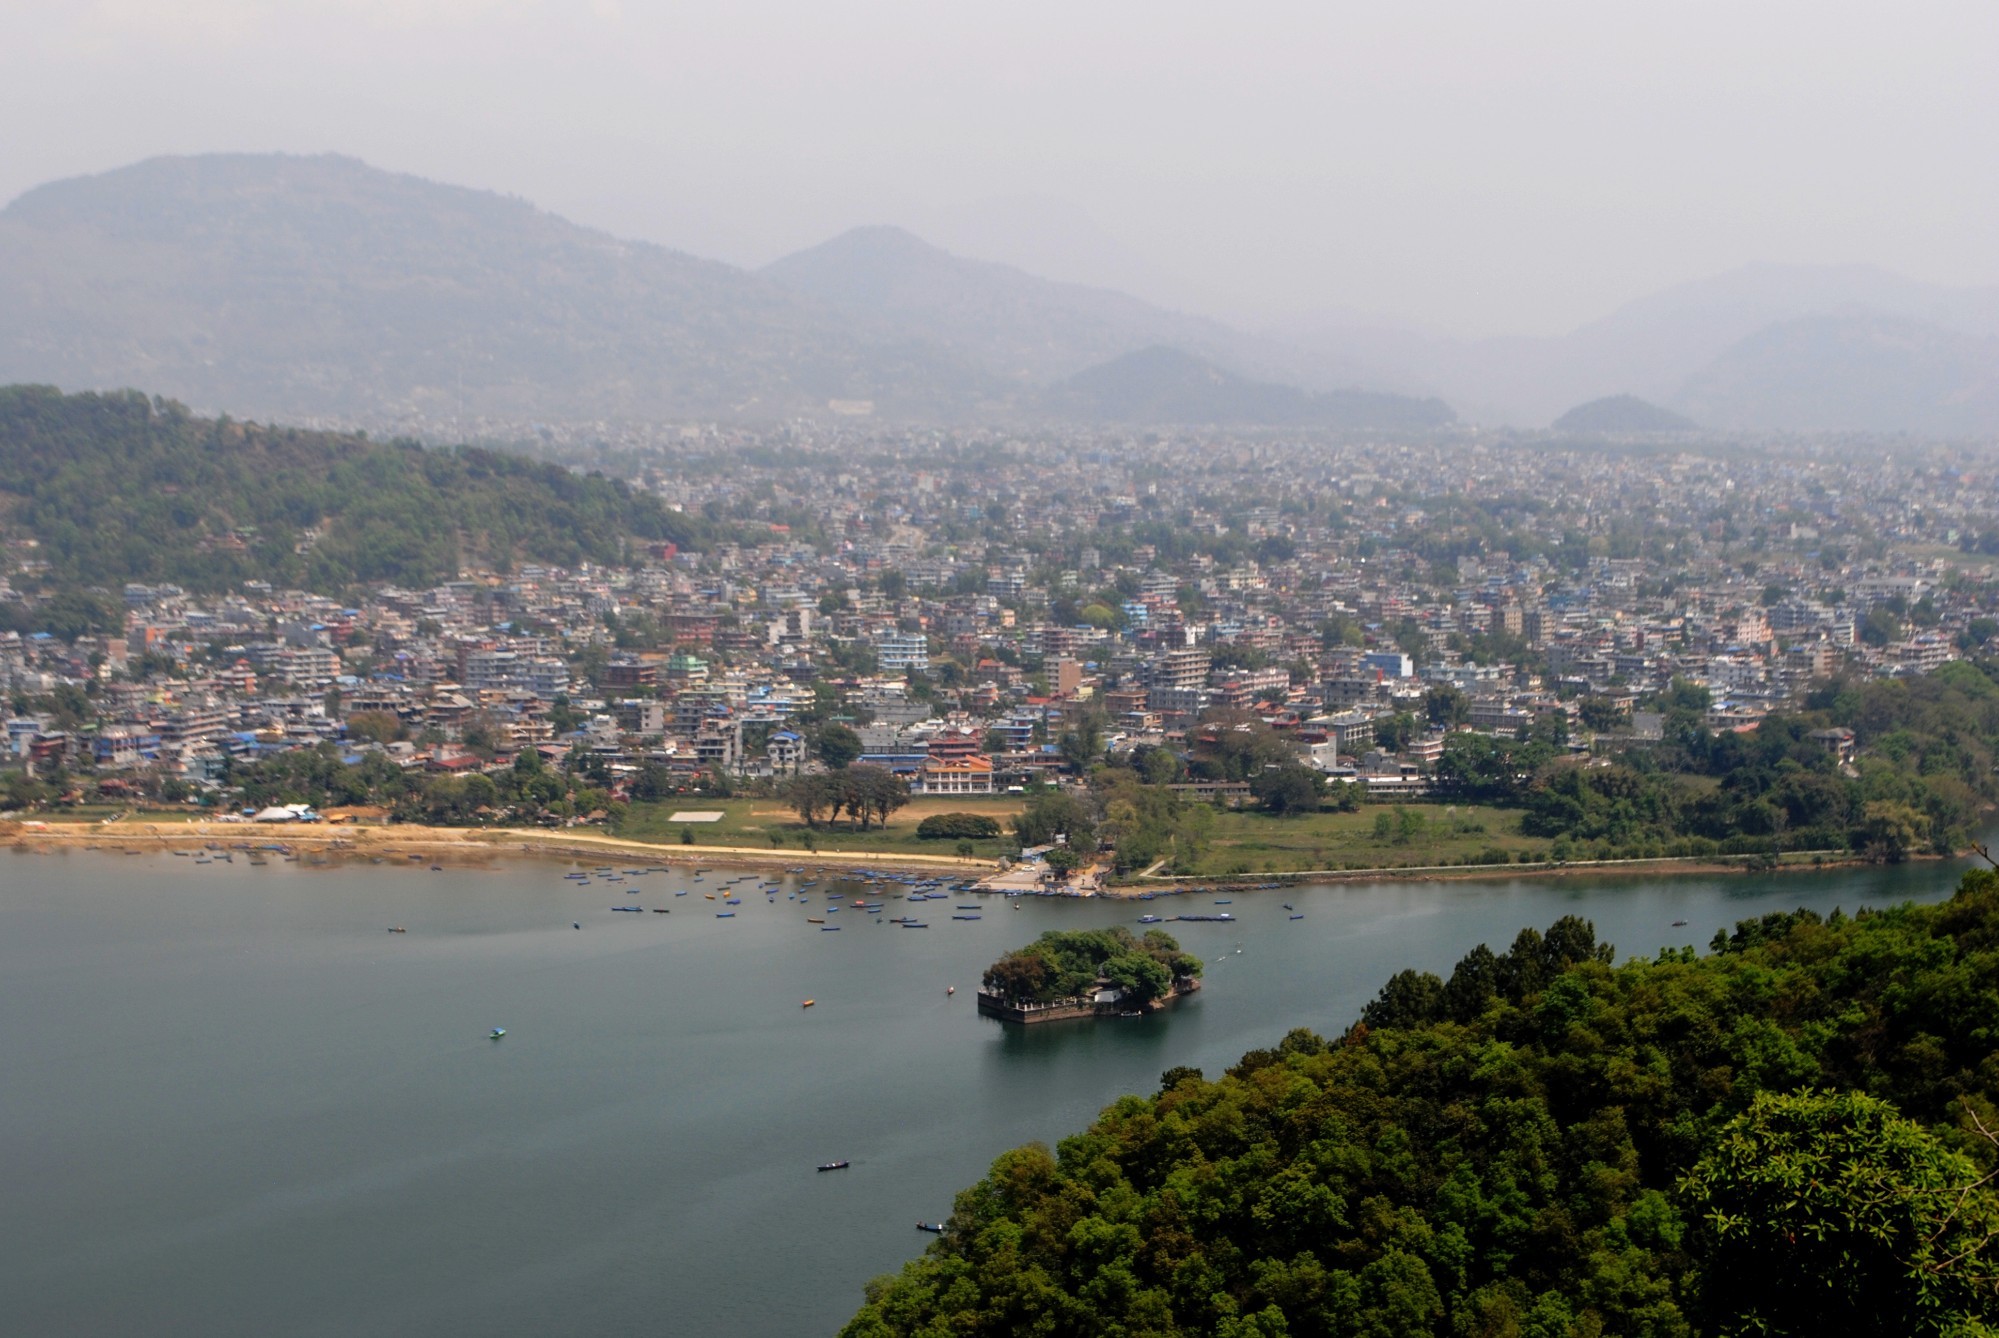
[[235, 1105]]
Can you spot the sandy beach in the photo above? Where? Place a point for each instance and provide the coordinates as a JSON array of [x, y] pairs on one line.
[[441, 845]]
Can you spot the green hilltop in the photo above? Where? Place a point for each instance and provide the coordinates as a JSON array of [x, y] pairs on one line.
[[119, 487]]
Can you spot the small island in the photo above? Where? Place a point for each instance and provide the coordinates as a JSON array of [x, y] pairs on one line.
[[1088, 973]]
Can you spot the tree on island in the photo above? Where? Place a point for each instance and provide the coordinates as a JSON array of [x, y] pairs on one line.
[[1066, 964]]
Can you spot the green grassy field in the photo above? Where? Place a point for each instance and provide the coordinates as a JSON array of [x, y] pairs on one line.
[[1245, 842], [753, 822]]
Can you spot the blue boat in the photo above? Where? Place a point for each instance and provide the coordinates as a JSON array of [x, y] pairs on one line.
[[965, 917], [1298, 917], [725, 915]]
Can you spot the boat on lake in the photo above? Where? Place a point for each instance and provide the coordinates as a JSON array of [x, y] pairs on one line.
[[934, 1228], [832, 1166]]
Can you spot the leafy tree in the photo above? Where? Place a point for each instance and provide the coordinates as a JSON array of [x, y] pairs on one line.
[[1829, 1212], [1602, 715], [377, 727], [949, 826], [1394, 733], [838, 746], [1288, 789], [1446, 706], [1054, 813]]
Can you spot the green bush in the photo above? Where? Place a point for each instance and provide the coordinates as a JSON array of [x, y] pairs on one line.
[[957, 827]]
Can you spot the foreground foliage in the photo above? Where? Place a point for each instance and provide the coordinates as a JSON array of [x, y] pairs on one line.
[[1785, 1136]]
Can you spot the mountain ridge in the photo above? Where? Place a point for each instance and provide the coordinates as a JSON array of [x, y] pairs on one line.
[[317, 287], [1026, 328]]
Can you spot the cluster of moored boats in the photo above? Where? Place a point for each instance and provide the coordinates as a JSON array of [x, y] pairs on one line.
[[876, 884]]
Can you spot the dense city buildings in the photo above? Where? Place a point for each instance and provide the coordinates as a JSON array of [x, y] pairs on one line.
[[990, 613]]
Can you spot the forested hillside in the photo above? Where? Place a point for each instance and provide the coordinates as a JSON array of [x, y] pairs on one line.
[[1786, 1136], [120, 487]]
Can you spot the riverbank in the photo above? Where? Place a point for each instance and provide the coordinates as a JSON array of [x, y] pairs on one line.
[[473, 845], [1808, 861]]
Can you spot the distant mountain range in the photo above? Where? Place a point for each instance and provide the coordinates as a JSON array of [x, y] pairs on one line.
[[1710, 350], [320, 286], [286, 287], [1167, 385]]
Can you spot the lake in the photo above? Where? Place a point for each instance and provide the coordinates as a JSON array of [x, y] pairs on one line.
[[236, 1105]]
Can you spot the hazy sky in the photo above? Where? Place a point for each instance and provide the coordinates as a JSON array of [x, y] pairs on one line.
[[1478, 167]]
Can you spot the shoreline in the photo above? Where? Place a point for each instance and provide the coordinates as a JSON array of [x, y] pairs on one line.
[[1671, 866], [461, 845], [453, 844]]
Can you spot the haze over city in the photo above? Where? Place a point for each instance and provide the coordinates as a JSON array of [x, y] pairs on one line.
[[901, 669], [1461, 167]]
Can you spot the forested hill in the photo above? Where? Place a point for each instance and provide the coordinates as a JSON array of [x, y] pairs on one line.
[[120, 488], [1787, 1136]]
